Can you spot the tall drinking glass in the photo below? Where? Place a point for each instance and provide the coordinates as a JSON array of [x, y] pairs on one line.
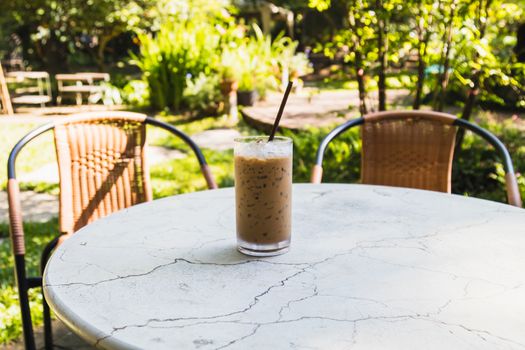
[[263, 194]]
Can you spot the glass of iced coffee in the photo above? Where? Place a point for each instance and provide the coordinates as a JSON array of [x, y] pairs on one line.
[[263, 194]]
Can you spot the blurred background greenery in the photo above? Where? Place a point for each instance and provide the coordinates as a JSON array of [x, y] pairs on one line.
[[175, 53]]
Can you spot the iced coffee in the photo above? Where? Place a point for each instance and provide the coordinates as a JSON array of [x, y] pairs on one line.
[[263, 194]]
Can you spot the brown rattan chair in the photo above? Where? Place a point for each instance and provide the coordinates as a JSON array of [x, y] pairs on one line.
[[103, 168], [413, 149]]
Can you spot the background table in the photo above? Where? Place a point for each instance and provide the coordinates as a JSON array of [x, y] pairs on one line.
[[78, 84], [369, 267]]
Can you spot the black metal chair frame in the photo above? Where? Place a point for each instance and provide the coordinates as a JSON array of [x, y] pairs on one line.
[[23, 281], [460, 123]]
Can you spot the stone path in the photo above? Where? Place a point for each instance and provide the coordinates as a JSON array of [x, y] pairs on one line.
[[307, 108], [216, 139], [36, 207], [48, 114], [327, 108], [311, 108]]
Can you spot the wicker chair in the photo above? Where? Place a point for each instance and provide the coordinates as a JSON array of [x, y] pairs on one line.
[[413, 149], [102, 168]]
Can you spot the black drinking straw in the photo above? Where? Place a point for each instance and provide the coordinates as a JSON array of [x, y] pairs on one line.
[[281, 109]]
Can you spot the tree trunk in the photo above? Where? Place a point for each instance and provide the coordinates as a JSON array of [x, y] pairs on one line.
[[421, 53], [382, 45], [421, 66], [476, 78], [361, 84], [467, 110], [101, 50], [439, 97], [424, 32], [471, 98], [358, 62], [445, 75]]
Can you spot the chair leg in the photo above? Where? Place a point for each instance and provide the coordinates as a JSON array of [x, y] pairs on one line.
[[27, 325], [48, 331]]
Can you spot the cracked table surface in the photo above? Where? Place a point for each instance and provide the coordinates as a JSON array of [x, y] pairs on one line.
[[369, 267]]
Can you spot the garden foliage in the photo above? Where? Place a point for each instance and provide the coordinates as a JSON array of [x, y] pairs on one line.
[[179, 51], [193, 51], [456, 50]]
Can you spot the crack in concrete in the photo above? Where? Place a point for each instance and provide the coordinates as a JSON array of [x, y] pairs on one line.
[[394, 318], [174, 261], [251, 334], [254, 302], [476, 332]]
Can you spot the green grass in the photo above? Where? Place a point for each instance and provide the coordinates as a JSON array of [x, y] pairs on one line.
[[35, 155], [184, 175]]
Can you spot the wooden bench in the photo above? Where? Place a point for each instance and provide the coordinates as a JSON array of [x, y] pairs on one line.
[[29, 92], [79, 84]]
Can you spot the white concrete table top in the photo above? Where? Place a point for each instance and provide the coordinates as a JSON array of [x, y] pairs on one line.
[[369, 268]]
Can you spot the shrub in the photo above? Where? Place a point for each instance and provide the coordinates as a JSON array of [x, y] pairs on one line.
[[136, 93], [203, 93], [341, 161], [184, 61], [511, 133], [264, 63], [178, 51]]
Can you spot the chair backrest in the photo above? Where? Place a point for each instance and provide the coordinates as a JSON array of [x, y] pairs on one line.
[[413, 149], [102, 166], [408, 150]]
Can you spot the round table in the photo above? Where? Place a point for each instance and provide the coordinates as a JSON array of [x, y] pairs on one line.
[[369, 267]]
